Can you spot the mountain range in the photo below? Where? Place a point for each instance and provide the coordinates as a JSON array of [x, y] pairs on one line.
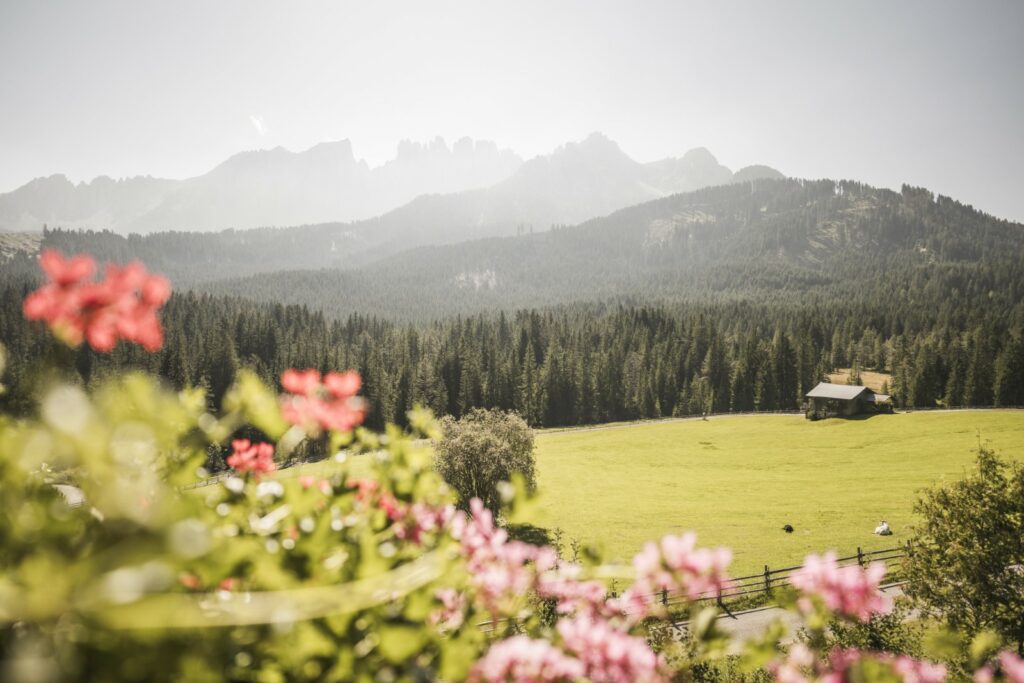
[[768, 240], [778, 240], [577, 182], [259, 188], [473, 187]]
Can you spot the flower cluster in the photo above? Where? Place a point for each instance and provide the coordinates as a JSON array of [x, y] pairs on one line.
[[257, 458], [845, 664], [307, 482], [121, 306], [498, 567], [521, 658], [409, 520], [452, 612], [910, 670], [1011, 665], [573, 596], [327, 403], [675, 565], [609, 654], [502, 572], [851, 591]]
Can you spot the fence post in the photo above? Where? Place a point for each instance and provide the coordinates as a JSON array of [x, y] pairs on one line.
[[664, 596], [767, 580], [860, 557]]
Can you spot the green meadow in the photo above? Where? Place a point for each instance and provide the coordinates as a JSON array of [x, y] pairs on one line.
[[736, 480]]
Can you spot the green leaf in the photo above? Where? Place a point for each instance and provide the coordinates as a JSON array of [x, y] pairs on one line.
[[942, 644], [983, 646], [457, 656], [400, 642], [259, 405]]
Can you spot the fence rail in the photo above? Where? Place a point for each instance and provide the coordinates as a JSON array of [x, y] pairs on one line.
[[765, 582]]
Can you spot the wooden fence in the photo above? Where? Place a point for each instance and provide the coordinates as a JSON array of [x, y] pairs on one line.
[[765, 582], [762, 584]]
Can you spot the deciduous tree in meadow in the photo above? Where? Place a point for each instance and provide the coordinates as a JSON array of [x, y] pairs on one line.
[[483, 449]]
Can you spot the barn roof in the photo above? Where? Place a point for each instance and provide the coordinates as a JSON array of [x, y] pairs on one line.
[[841, 392]]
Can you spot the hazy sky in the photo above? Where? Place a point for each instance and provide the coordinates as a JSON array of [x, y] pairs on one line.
[[930, 93]]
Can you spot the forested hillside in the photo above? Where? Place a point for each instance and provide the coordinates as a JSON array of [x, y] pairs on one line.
[[767, 241]]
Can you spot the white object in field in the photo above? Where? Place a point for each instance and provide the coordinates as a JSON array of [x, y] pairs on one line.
[[73, 495]]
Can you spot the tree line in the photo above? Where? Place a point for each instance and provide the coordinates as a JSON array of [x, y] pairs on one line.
[[565, 365]]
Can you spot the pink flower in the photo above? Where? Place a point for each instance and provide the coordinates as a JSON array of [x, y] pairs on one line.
[[608, 654], [330, 404], [522, 660], [574, 596], [1012, 666], [451, 614], [308, 482], [498, 568], [843, 661], [64, 272], [918, 671], [793, 669], [343, 384], [190, 581], [842, 665], [122, 306], [300, 382], [675, 565], [851, 591], [248, 457]]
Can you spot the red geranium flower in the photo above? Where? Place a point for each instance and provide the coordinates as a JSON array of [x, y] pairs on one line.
[[249, 457], [121, 306], [319, 404]]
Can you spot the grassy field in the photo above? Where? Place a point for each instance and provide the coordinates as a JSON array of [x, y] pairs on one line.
[[737, 480]]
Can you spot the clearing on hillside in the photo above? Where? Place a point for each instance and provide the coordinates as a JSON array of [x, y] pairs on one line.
[[875, 381], [736, 480]]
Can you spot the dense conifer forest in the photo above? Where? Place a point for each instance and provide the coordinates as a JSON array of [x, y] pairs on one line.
[[569, 365]]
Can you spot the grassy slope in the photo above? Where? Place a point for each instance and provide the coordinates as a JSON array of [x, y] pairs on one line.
[[737, 480]]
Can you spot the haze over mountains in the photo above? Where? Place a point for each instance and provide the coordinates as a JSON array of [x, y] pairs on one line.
[[260, 188], [770, 240], [327, 183], [779, 240]]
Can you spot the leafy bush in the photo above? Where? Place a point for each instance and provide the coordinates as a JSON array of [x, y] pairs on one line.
[[483, 449], [965, 564]]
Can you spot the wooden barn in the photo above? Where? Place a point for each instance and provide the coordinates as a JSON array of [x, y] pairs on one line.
[[826, 400]]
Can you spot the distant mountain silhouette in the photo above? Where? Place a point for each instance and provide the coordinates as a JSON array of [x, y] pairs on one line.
[[577, 182], [435, 192], [259, 188]]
